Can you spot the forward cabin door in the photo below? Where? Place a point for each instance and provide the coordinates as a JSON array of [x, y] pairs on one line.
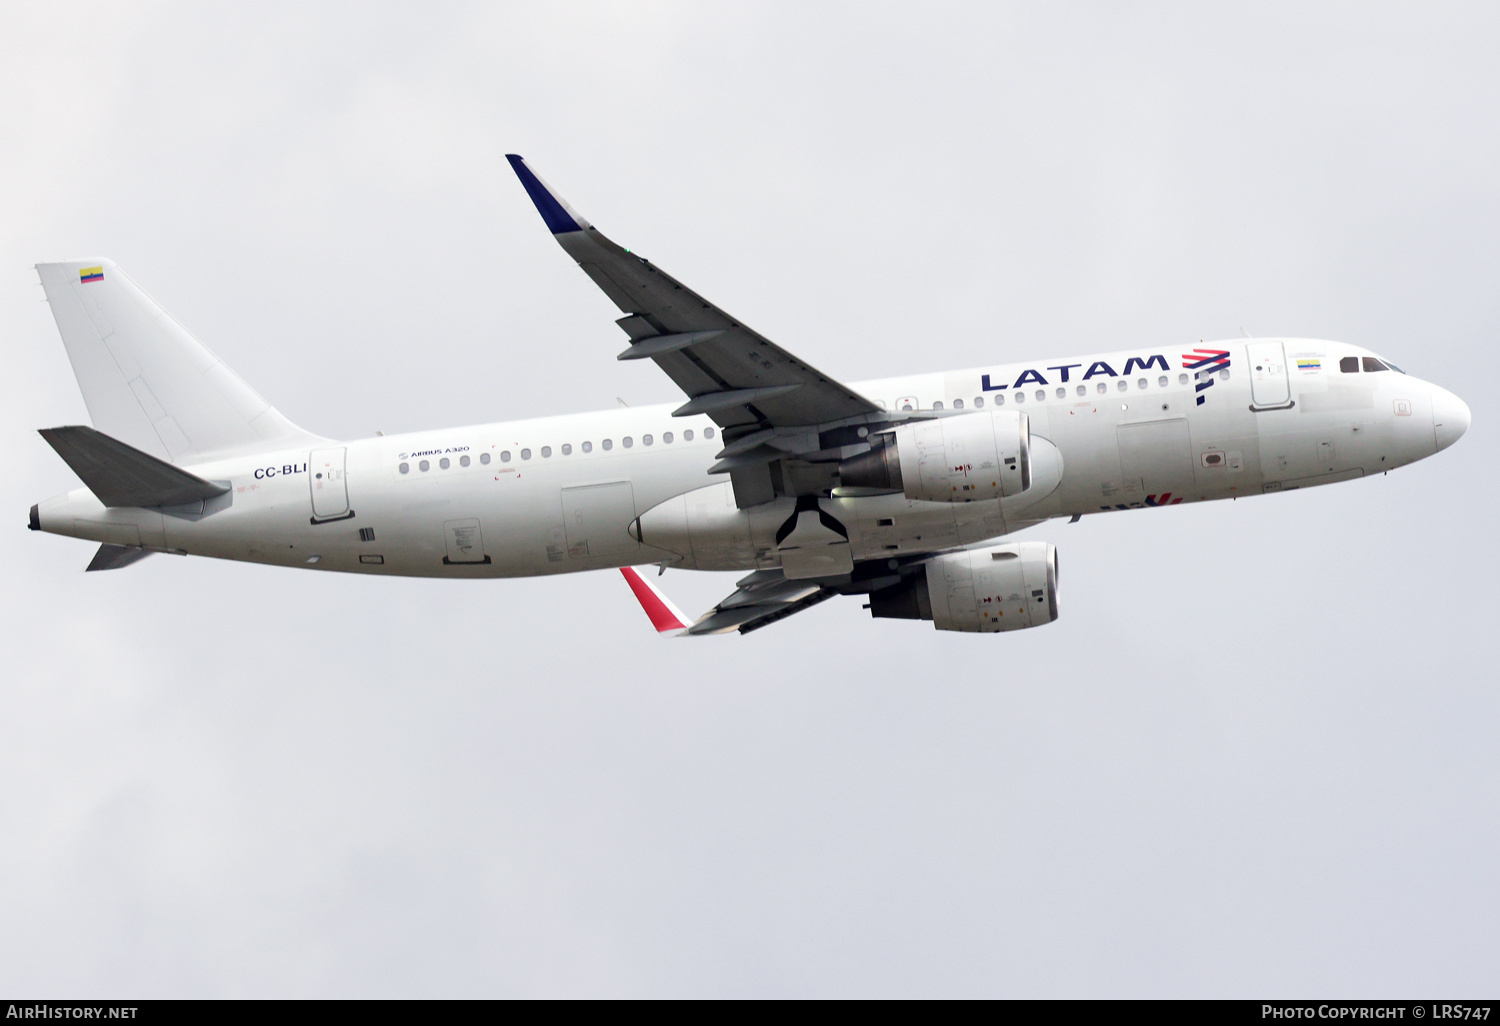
[[330, 491], [1269, 387]]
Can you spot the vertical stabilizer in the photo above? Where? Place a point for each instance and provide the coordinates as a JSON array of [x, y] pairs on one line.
[[145, 379]]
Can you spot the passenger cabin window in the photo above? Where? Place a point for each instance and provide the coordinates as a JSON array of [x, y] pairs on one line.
[[1372, 365], [405, 468], [525, 454], [645, 439], [546, 452], [978, 402], [424, 466], [958, 404], [443, 463], [1349, 365], [667, 437], [505, 456], [708, 432], [463, 461], [608, 444], [587, 447], [627, 441], [938, 405], [687, 436], [484, 458], [567, 450]]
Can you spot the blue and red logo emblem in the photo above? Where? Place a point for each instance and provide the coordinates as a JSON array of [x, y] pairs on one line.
[[1164, 499], [1205, 363]]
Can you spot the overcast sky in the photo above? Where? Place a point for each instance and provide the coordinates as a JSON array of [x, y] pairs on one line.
[[1259, 754]]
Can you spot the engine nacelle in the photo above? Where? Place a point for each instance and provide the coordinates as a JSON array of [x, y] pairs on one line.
[[1004, 588], [975, 457]]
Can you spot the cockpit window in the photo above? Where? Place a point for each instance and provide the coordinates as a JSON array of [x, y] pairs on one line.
[[1393, 367], [1349, 365], [1372, 365]]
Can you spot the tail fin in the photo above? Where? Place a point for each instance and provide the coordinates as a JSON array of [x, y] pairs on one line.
[[145, 379]]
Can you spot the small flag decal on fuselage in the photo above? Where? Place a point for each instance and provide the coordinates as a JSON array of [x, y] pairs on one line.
[[90, 274], [1309, 364]]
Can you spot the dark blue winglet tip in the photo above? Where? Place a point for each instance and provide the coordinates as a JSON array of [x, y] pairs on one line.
[[558, 220]]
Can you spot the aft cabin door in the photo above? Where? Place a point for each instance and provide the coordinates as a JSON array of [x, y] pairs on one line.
[[1269, 387], [330, 492]]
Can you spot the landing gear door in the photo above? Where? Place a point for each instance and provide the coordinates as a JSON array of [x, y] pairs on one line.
[[1269, 387], [330, 491]]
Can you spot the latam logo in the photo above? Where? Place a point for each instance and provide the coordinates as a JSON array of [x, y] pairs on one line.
[[1164, 499], [1096, 369], [1204, 363]]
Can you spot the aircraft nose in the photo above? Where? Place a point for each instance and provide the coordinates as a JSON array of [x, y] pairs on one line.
[[1450, 417]]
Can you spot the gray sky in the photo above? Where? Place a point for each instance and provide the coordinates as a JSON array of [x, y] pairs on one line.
[[1256, 755]]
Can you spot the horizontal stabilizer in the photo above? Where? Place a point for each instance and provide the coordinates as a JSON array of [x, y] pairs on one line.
[[119, 475], [113, 557]]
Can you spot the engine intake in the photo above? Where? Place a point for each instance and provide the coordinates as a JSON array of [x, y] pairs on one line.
[[1003, 588], [975, 457]]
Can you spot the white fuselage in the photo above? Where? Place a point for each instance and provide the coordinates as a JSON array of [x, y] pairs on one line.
[[560, 494]]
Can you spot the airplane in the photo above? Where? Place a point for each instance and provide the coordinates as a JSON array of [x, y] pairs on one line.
[[901, 490]]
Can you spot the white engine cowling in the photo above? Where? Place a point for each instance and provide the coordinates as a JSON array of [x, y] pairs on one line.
[[1002, 588], [975, 457]]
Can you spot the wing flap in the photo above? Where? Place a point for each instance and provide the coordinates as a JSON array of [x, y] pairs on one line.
[[660, 345]]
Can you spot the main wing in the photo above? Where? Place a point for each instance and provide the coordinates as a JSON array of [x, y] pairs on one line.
[[765, 597], [747, 384], [760, 600]]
